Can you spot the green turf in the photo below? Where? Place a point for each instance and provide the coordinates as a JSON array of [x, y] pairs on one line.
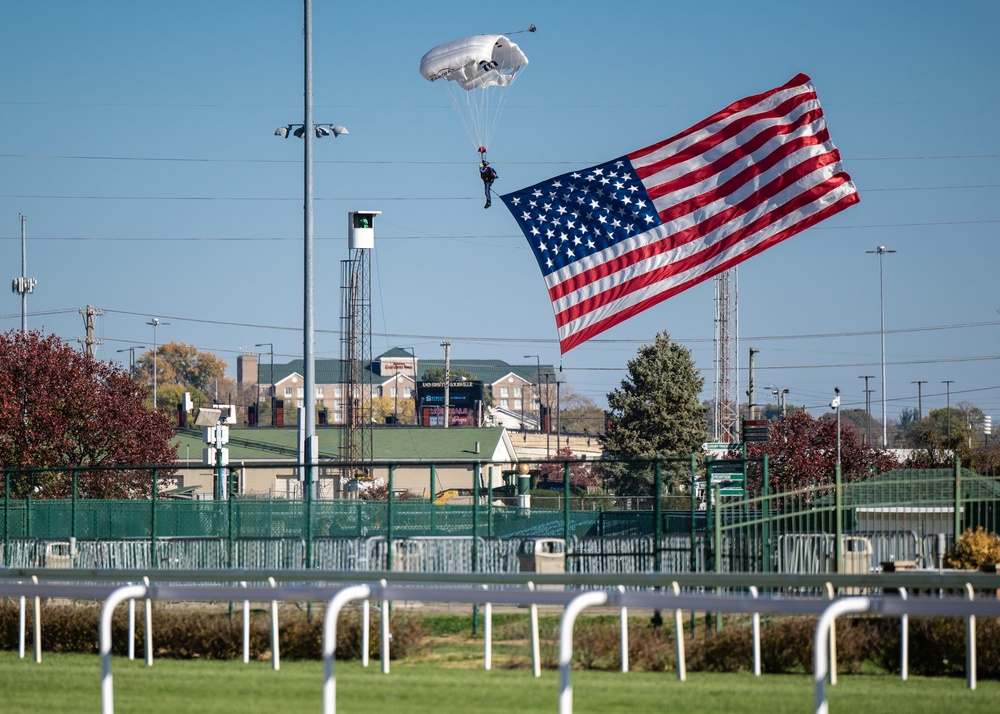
[[71, 683]]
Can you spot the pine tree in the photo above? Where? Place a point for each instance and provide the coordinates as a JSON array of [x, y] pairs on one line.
[[655, 411]]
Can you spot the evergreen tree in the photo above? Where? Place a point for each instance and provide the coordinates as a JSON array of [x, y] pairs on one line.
[[655, 411]]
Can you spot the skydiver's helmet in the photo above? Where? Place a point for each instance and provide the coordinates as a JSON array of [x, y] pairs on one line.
[[481, 149]]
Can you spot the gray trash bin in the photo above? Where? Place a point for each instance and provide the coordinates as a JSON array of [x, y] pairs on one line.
[[542, 555]]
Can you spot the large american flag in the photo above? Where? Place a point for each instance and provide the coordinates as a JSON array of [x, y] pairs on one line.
[[617, 238]]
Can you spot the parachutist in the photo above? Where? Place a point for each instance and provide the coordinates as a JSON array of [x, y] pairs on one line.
[[488, 174]]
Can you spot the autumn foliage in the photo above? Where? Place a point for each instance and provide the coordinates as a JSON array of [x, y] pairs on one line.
[[803, 451], [62, 408]]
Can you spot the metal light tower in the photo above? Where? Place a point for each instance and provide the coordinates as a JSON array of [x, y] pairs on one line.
[[880, 251], [306, 131]]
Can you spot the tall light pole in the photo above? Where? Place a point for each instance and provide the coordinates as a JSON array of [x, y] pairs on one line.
[[880, 251], [947, 386], [538, 386], [131, 358], [306, 131], [154, 322]]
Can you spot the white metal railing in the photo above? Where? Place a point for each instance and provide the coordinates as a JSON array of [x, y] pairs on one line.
[[573, 602]]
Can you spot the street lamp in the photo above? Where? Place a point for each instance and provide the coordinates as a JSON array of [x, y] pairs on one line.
[[835, 404], [782, 395], [154, 322], [307, 131], [880, 251], [538, 386], [131, 358], [270, 349]]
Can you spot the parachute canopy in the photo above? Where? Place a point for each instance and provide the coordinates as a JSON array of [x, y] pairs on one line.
[[476, 72]]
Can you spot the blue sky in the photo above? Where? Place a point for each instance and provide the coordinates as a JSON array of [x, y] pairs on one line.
[[137, 138]]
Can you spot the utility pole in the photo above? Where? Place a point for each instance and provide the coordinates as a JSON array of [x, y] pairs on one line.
[[750, 393], [447, 378], [947, 386], [89, 313], [868, 409], [920, 406]]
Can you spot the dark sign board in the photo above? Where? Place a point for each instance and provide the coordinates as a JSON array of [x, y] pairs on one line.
[[460, 394], [756, 430]]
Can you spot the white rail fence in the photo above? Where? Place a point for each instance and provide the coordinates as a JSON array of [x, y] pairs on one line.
[[573, 602]]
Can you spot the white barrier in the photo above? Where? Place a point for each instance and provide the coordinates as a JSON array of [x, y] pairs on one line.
[[572, 601]]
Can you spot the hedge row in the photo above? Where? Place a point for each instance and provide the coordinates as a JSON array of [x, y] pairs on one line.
[[937, 645], [182, 634]]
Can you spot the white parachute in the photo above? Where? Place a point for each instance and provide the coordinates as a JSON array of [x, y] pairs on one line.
[[477, 73]]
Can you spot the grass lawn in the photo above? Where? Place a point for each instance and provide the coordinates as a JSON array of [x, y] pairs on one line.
[[71, 683]]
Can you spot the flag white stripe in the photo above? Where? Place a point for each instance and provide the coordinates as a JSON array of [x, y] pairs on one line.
[[713, 181], [765, 105], [638, 296], [789, 193]]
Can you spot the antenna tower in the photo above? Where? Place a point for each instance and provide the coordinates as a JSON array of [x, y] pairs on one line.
[[726, 421]]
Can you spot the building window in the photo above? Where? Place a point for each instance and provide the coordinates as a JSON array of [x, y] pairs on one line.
[[503, 403], [299, 392], [504, 392], [517, 405], [338, 392], [319, 392], [288, 392], [407, 392], [517, 392]]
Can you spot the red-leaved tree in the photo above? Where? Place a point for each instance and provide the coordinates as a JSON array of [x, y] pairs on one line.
[[803, 451], [62, 408], [580, 474]]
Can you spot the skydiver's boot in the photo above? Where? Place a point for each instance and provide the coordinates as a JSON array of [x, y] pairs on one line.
[[488, 203]]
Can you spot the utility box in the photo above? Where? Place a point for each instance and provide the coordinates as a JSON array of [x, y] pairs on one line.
[[542, 555]]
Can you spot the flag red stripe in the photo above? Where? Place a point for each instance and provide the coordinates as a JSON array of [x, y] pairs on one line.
[[575, 282], [778, 118], [586, 333], [661, 273], [741, 152], [755, 169], [734, 108]]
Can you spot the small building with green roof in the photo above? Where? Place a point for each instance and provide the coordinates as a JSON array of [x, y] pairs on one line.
[[265, 460]]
